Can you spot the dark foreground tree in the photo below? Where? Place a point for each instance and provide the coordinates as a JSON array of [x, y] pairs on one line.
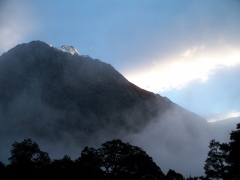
[[28, 153], [124, 161], [116, 160], [215, 167], [27, 161], [223, 160], [88, 166], [233, 158]]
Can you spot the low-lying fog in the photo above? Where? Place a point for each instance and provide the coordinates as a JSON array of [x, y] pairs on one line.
[[173, 142]]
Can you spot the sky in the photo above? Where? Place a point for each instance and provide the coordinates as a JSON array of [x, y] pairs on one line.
[[188, 51]]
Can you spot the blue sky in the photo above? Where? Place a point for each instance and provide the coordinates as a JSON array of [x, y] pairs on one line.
[[186, 50]]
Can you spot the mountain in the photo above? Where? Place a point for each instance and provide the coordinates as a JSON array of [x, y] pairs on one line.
[[58, 97], [56, 90]]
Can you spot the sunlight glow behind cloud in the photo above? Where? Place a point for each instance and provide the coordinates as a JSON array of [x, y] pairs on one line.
[[196, 63]]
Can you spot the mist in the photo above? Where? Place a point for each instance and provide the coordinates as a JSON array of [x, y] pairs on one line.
[[179, 143], [172, 140]]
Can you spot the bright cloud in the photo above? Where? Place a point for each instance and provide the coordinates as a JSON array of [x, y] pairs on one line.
[[196, 63]]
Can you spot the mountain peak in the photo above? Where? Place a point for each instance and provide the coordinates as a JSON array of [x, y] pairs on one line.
[[70, 49], [39, 45]]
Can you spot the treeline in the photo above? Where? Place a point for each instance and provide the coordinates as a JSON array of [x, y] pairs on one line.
[[115, 160]]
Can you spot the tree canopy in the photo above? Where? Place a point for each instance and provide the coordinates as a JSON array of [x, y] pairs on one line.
[[114, 160], [223, 161], [123, 161], [28, 153], [215, 166], [233, 158], [27, 161]]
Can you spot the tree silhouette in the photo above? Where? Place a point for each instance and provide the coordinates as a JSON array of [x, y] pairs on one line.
[[88, 166], [28, 153], [215, 167], [233, 158], [123, 161], [114, 160], [223, 160], [26, 160]]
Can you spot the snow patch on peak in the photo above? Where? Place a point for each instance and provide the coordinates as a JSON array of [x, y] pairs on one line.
[[49, 45], [70, 49]]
